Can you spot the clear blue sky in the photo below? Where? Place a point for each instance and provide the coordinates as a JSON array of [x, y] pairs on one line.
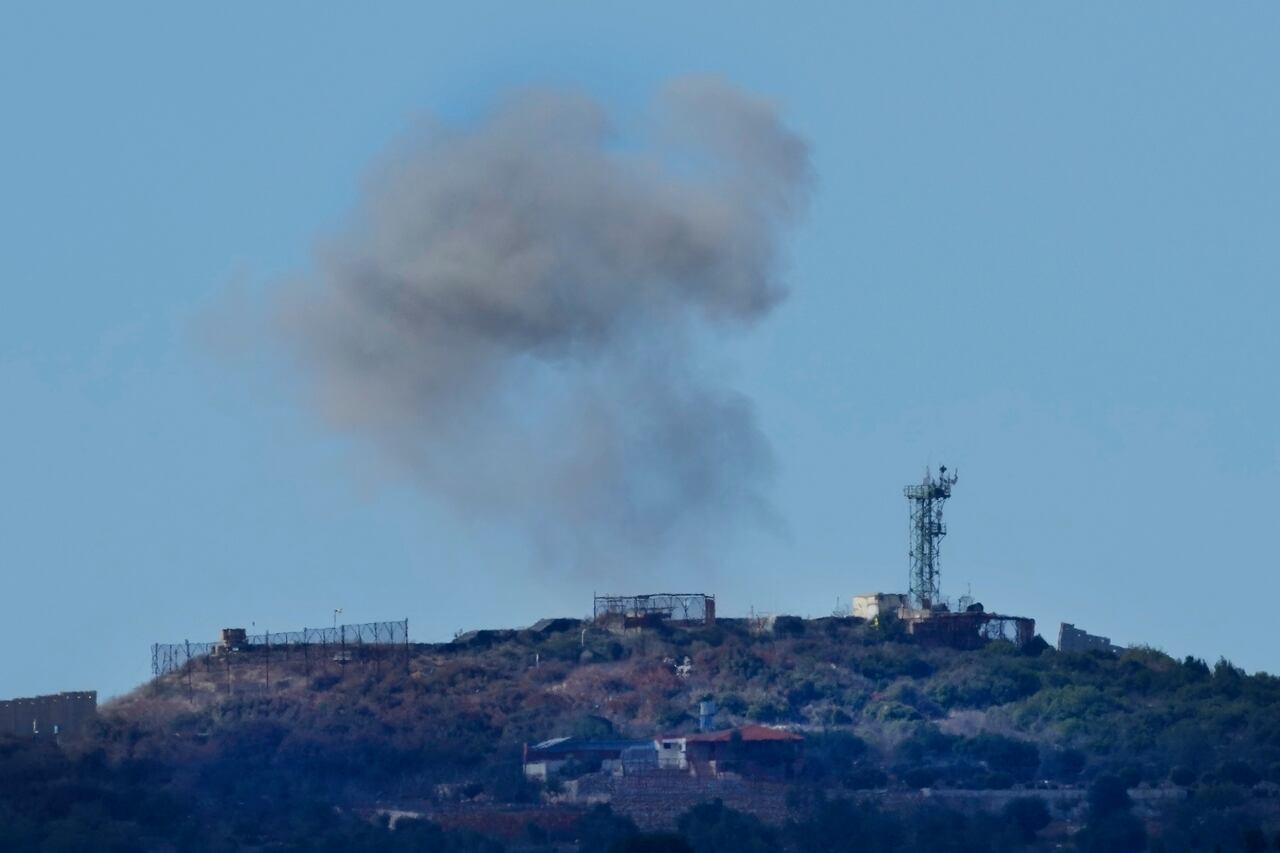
[[1044, 250]]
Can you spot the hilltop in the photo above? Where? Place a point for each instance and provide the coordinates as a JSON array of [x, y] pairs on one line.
[[264, 752]]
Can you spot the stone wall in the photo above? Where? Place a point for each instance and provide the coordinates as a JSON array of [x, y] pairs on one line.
[[654, 800]]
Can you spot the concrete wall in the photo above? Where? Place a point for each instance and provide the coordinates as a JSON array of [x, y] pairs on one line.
[[62, 714]]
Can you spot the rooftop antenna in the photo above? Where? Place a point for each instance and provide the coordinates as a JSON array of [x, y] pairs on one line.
[[927, 531]]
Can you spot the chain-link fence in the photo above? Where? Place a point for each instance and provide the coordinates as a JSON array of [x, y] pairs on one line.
[[347, 642]]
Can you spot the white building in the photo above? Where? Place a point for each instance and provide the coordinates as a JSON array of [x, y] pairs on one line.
[[671, 753], [869, 605]]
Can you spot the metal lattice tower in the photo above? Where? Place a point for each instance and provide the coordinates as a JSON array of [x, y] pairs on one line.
[[927, 531]]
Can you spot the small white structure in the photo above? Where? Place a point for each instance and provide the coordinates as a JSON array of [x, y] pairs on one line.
[[870, 605], [671, 753]]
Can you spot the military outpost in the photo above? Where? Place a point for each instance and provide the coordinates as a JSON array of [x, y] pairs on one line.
[[922, 610]]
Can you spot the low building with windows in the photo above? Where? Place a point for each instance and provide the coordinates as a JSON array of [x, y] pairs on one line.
[[753, 751], [608, 756]]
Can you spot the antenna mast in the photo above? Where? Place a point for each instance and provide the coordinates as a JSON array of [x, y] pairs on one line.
[[927, 531]]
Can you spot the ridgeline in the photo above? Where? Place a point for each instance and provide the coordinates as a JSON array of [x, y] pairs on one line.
[[906, 746]]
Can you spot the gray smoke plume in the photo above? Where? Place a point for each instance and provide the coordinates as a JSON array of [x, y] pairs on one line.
[[517, 312]]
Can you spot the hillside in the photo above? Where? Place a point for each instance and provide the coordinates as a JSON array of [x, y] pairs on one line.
[[286, 752]]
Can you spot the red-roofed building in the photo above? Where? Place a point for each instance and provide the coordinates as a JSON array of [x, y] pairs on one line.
[[748, 751], [747, 734]]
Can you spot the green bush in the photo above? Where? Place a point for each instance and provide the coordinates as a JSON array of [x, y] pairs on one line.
[[1027, 816], [767, 711], [1017, 758], [714, 828], [601, 830], [921, 777]]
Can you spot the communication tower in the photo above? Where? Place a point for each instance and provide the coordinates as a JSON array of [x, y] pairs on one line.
[[927, 531]]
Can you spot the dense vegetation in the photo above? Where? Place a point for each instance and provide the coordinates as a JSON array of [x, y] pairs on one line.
[[210, 759]]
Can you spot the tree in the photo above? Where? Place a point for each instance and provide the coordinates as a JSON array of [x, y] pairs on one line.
[[654, 842], [600, 830], [847, 826], [1018, 758], [1112, 828], [1119, 832], [715, 828], [1108, 795], [1027, 816]]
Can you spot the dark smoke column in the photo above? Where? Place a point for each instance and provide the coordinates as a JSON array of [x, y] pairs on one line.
[[515, 315]]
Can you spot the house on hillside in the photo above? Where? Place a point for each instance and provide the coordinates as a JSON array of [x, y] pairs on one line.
[[754, 751], [606, 756]]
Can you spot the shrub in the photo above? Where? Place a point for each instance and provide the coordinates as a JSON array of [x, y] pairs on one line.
[[1027, 816], [836, 717], [652, 842], [1239, 773], [997, 780], [1018, 758], [592, 727], [744, 665], [1120, 832], [865, 777], [832, 755], [788, 626], [672, 717], [767, 711], [804, 693], [599, 830], [1107, 795], [1062, 764], [926, 742], [921, 777], [1195, 668], [1036, 647], [322, 683], [714, 828]]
